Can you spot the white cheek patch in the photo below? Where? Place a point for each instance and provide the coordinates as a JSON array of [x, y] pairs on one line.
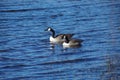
[[49, 29], [64, 37]]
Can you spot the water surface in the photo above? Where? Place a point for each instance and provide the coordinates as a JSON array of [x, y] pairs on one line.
[[25, 51]]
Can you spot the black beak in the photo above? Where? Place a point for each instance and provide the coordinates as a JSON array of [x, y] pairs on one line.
[[46, 30]]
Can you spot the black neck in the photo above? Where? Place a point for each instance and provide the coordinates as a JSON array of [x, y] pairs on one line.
[[53, 33], [66, 40]]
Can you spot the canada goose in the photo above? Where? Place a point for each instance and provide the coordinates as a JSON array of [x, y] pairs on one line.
[[57, 38], [71, 42]]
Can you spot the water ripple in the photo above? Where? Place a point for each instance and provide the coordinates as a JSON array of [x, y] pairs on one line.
[[68, 61]]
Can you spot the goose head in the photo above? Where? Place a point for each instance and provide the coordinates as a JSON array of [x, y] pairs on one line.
[[65, 38], [49, 29]]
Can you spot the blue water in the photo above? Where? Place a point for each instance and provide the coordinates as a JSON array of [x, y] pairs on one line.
[[25, 51]]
